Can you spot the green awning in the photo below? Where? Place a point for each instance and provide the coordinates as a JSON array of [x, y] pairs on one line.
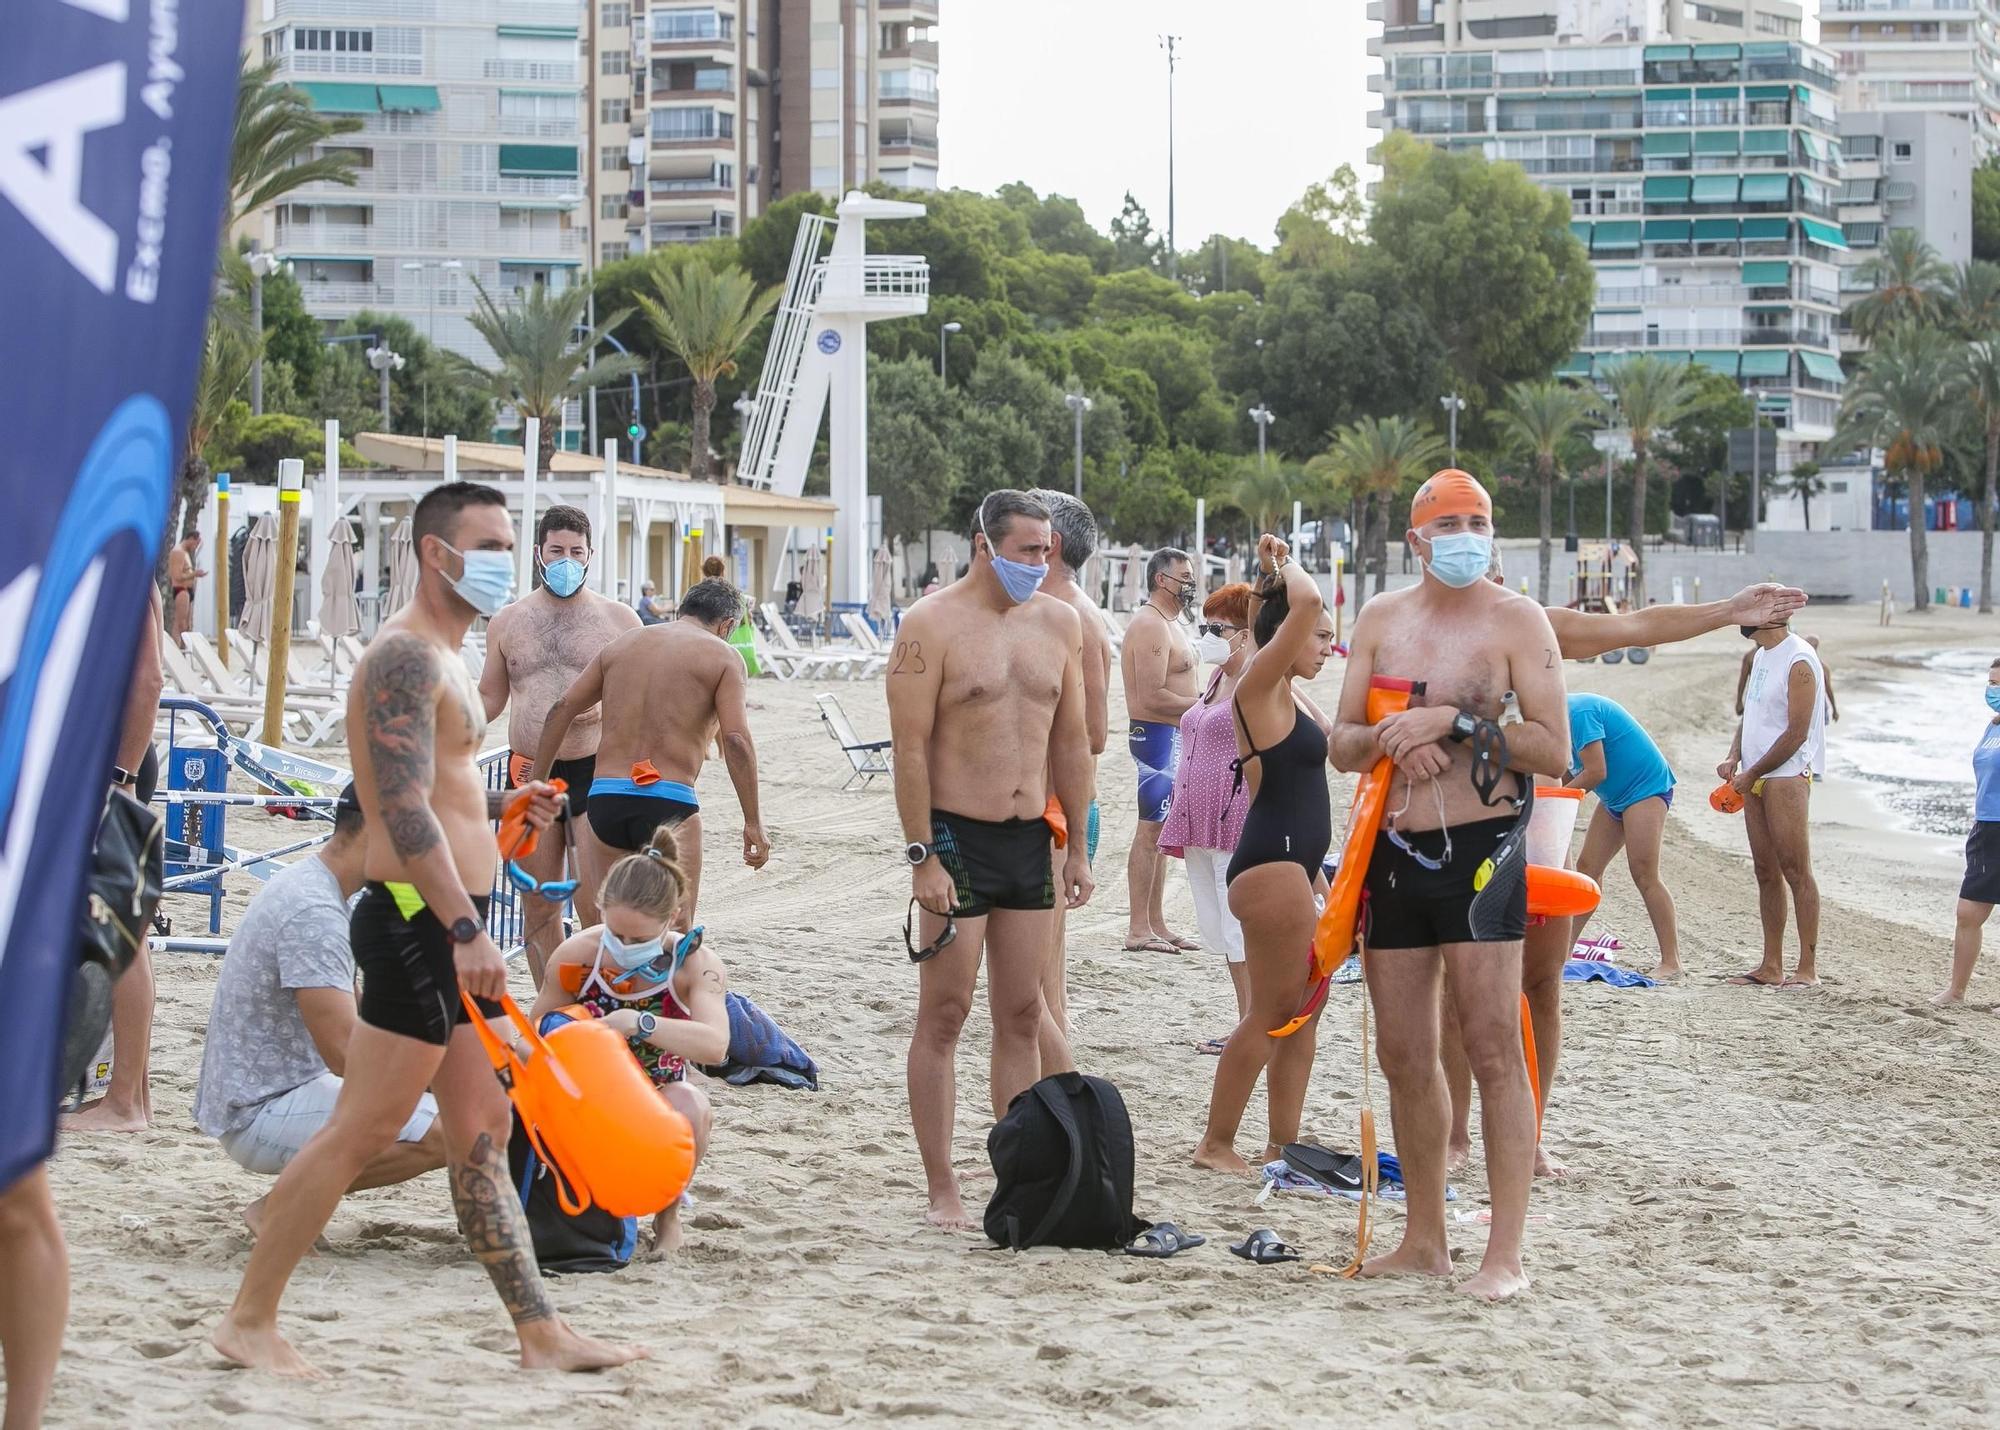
[[1717, 91], [1767, 274], [1768, 141], [1615, 235], [1766, 228], [341, 98], [1718, 52], [1768, 50], [1823, 366], [539, 32], [1669, 52], [1766, 188], [1667, 230], [1576, 365], [1582, 233], [1677, 355], [1825, 234], [1767, 91], [1715, 189], [1672, 145], [1767, 362], [409, 98], [1719, 361], [1717, 141], [1810, 145], [1667, 189], [1680, 93], [538, 158], [1714, 230]]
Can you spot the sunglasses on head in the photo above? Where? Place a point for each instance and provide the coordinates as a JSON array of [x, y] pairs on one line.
[[926, 954]]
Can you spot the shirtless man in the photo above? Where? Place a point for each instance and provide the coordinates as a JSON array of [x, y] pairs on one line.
[[182, 574], [663, 691], [535, 649], [1470, 642], [1157, 661], [985, 699], [1074, 531], [419, 939]]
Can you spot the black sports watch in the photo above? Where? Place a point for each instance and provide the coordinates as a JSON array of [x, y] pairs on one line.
[[464, 930], [916, 852], [1464, 727], [123, 777]]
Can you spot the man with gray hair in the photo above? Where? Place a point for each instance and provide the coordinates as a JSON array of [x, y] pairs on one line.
[[1075, 534], [1158, 665]]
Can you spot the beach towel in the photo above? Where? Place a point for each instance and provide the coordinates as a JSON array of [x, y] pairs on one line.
[[761, 1051], [1578, 970], [1281, 1176]]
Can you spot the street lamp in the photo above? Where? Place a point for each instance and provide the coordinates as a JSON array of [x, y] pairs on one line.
[[1756, 468], [262, 266], [1079, 404], [1453, 404], [384, 362], [1611, 401], [944, 337], [1263, 417], [430, 321]]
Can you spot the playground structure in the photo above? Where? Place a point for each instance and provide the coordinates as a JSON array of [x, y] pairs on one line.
[[1600, 583]]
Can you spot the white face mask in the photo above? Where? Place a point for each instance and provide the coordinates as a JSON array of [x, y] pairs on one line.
[[1213, 649]]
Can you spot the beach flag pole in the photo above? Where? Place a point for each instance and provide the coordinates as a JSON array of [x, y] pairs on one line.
[[221, 560], [278, 650]]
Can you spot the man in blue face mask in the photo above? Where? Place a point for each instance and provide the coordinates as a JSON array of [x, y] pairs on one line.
[[535, 649], [986, 708]]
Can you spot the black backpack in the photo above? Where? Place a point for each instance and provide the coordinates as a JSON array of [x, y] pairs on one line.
[[121, 891], [592, 1240], [1062, 1159]]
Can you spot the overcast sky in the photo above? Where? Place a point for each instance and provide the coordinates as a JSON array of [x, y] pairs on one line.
[[1071, 97]]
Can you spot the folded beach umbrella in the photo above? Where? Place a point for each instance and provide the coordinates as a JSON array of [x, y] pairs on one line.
[[1132, 591], [402, 569], [812, 604], [881, 596], [338, 613], [259, 576]]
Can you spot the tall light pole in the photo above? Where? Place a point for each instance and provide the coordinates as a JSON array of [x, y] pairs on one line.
[[944, 337], [262, 265], [1078, 404], [1167, 43], [1263, 417], [746, 408], [384, 362], [1756, 470], [1453, 404]]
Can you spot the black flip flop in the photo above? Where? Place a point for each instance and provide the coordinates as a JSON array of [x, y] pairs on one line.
[[1265, 1247], [1339, 1170], [1163, 1240]]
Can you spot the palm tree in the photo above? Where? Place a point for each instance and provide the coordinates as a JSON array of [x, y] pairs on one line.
[[1265, 495], [1652, 395], [1805, 483], [1541, 418], [1909, 400], [1970, 298], [271, 148], [228, 347], [1906, 275], [540, 348], [1376, 459], [704, 316], [1982, 370]]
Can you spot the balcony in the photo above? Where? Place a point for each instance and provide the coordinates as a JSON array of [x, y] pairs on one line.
[[913, 98], [329, 237], [528, 126], [1677, 339], [538, 71], [898, 144], [925, 50], [1585, 120], [1690, 295]]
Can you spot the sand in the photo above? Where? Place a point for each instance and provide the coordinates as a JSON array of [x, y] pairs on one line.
[[1782, 1209]]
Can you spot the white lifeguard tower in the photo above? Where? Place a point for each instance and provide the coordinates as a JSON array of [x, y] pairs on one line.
[[819, 353]]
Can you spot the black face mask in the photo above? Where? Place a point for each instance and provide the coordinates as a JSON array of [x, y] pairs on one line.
[[1749, 633]]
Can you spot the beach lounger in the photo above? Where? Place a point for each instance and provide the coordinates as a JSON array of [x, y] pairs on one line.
[[850, 660], [869, 758], [321, 714], [237, 710]]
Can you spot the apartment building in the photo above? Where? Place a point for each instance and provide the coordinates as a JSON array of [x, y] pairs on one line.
[[1697, 148], [1918, 57], [1903, 170], [467, 158], [701, 114]]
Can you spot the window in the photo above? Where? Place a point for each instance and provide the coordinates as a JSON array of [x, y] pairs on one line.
[[274, 44], [614, 62], [613, 253], [614, 111], [536, 104], [725, 224], [616, 15], [918, 82], [346, 42], [1901, 153], [613, 156], [613, 206], [672, 125], [685, 23]]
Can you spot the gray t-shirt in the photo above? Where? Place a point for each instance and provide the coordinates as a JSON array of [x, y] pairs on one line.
[[294, 935]]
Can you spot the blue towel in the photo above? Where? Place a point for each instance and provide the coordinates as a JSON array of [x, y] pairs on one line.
[[1578, 971], [761, 1051]]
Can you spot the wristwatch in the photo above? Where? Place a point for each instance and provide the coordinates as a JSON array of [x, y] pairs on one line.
[[647, 1022], [916, 852], [1463, 727], [123, 777], [464, 930]]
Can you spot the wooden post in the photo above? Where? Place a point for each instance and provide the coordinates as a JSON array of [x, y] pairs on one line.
[[220, 564], [1338, 609], [291, 477]]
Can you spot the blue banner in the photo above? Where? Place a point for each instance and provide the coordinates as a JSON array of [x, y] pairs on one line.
[[115, 120]]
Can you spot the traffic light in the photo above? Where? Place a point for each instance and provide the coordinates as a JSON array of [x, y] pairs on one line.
[[635, 431]]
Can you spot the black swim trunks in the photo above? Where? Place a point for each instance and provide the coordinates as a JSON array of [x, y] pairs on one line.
[[1003, 865], [576, 775], [1982, 864], [624, 813], [1410, 906], [409, 978]]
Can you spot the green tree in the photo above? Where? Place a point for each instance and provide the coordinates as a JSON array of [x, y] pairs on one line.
[[1322, 227], [428, 395], [540, 345], [250, 448], [1264, 494], [1804, 482], [271, 148], [228, 348], [291, 334], [1375, 461], [1540, 419], [1697, 445], [1986, 212], [910, 463], [704, 318], [1148, 504], [1225, 265], [1652, 395], [1969, 297], [1907, 277], [1135, 295], [764, 248], [1982, 371], [1133, 242], [1489, 259], [1057, 226], [1908, 399], [1055, 288]]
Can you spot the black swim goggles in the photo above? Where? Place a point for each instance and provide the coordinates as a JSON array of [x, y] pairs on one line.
[[926, 954]]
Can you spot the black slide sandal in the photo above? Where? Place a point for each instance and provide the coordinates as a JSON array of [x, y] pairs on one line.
[[1340, 1170], [1265, 1247], [1159, 1242]]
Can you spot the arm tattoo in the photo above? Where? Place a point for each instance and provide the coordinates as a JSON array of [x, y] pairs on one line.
[[490, 1216], [401, 701], [909, 659], [713, 979]]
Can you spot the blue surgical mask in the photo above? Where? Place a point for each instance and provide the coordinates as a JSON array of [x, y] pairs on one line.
[[627, 956], [564, 577], [1020, 578], [488, 582], [1461, 558], [1993, 698]]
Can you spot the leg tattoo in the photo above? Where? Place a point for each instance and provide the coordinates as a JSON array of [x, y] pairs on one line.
[[497, 1231]]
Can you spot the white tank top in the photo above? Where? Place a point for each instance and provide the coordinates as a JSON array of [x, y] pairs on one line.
[[1767, 708]]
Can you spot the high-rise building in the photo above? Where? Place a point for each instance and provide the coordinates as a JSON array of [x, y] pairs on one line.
[[1907, 170], [1918, 56], [466, 161], [1696, 145]]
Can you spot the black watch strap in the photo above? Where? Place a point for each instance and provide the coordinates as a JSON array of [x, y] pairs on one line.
[[123, 777], [1463, 727], [916, 851], [464, 930]]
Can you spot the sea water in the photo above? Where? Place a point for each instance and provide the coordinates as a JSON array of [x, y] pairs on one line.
[[1907, 729]]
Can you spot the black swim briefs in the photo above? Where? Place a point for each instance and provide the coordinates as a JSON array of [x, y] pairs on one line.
[[409, 977], [576, 775], [627, 821], [995, 865], [1410, 906]]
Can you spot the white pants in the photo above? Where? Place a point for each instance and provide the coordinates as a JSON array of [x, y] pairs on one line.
[[288, 1121], [1207, 876]]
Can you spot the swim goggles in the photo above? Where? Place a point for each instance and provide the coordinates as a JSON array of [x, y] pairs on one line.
[[926, 954], [651, 971], [1394, 836], [556, 891]]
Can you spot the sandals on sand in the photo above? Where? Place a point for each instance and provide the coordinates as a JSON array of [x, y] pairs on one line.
[[1150, 945], [1211, 1047], [1340, 1170], [1265, 1247], [1159, 1242]]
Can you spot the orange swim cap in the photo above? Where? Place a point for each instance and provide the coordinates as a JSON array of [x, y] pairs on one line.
[[1449, 493]]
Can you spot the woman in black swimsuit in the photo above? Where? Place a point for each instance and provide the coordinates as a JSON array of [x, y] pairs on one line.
[[1281, 749]]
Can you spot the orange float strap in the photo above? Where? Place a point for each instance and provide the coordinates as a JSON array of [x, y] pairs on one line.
[[517, 837], [1534, 1062], [1371, 1161]]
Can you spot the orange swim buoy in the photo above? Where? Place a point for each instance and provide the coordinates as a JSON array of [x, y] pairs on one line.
[[593, 1116], [1561, 893], [1725, 800]]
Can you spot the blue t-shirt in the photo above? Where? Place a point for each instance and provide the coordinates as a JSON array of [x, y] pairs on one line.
[[1986, 775], [1634, 768]]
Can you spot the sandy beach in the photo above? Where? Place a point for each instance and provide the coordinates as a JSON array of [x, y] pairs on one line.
[[1782, 1209]]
